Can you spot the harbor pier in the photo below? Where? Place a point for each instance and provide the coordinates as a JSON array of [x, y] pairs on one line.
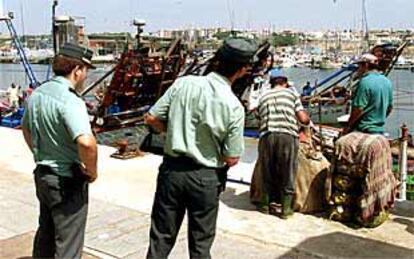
[[120, 206]]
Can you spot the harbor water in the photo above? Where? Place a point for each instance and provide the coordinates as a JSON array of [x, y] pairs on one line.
[[403, 83]]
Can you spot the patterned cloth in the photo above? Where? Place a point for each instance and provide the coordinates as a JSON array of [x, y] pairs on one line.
[[366, 160]]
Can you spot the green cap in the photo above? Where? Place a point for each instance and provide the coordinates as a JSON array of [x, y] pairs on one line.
[[239, 50], [77, 52]]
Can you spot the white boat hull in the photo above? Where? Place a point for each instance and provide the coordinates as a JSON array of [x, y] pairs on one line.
[[329, 113]]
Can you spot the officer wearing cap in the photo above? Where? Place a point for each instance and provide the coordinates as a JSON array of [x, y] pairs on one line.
[[373, 99], [279, 112], [204, 123], [57, 130]]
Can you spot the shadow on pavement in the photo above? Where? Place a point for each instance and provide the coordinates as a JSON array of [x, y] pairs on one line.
[[237, 201], [343, 245], [407, 222]]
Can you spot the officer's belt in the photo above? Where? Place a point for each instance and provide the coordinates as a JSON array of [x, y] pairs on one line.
[[184, 162]]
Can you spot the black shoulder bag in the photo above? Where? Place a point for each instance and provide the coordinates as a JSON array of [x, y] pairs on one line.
[[153, 142]]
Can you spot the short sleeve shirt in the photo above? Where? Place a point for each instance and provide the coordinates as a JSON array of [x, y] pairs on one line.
[[205, 120], [55, 116], [373, 96]]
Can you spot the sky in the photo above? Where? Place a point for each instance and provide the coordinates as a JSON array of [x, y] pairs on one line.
[[307, 15]]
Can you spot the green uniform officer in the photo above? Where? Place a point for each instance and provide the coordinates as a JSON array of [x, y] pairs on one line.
[[57, 130], [204, 123]]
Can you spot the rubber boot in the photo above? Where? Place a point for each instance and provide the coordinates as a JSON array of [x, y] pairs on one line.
[[287, 210], [263, 205]]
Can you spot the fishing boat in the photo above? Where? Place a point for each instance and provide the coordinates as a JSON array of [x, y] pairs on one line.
[[403, 64], [332, 95], [327, 64]]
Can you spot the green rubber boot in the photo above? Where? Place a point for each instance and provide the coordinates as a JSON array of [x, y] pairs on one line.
[[263, 205], [287, 210]]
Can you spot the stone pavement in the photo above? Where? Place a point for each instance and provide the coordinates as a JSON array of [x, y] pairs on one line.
[[120, 205], [112, 231]]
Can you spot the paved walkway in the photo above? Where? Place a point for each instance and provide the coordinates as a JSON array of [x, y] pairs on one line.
[[112, 231], [121, 200]]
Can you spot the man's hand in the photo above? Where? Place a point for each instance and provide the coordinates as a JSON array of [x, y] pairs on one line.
[[231, 161], [345, 131], [90, 176], [88, 155], [155, 123], [303, 117], [356, 115]]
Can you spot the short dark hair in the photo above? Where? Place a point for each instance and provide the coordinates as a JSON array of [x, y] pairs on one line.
[[63, 66], [228, 68], [372, 66], [278, 81]]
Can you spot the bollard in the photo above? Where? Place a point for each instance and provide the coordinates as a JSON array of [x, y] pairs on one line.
[[403, 162]]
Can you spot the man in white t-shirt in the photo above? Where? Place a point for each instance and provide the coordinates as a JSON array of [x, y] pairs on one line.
[[13, 94]]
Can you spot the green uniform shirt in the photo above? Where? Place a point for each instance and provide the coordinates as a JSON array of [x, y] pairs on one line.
[[205, 119], [55, 117], [374, 97]]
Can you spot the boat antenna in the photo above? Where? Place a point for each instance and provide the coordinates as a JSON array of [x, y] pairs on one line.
[[365, 23], [22, 22], [139, 23], [230, 9], [1, 9], [55, 4]]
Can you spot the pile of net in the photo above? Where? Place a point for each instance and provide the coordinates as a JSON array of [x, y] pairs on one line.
[[361, 185]]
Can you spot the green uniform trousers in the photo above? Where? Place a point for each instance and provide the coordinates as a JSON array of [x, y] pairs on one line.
[[183, 185], [63, 212]]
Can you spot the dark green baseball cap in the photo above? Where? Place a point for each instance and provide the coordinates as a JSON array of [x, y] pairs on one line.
[[238, 50], [79, 52]]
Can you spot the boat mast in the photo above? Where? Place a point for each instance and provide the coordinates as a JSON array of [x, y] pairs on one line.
[[365, 31], [24, 43], [230, 8], [55, 3], [364, 43], [2, 14]]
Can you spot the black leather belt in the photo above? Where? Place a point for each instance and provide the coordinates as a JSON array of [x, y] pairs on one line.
[[183, 162]]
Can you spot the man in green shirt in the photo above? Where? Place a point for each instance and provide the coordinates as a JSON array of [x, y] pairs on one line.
[[57, 130], [372, 101], [204, 123]]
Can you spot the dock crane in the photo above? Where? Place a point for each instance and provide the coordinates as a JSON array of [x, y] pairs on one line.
[[8, 19]]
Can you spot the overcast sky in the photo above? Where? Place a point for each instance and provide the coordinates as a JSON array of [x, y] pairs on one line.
[[116, 15]]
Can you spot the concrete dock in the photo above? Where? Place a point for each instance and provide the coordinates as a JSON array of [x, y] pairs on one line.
[[120, 206]]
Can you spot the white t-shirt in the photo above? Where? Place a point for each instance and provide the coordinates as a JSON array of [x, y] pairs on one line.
[[13, 94]]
